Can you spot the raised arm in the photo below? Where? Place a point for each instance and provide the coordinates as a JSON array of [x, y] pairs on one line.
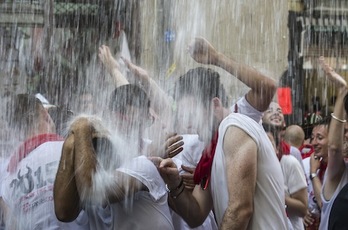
[[241, 166], [97, 186], [161, 102], [262, 87], [336, 166], [65, 194], [111, 66]]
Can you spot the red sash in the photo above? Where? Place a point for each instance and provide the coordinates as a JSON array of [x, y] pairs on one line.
[[28, 146], [203, 169]]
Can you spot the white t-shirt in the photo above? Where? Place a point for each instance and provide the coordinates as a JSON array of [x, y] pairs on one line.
[[242, 106], [295, 152], [269, 190], [295, 180], [327, 204], [145, 210], [28, 191]]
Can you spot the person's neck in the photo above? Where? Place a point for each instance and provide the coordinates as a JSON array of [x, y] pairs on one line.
[[224, 113]]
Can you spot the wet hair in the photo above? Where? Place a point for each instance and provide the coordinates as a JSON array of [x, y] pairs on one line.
[[60, 117], [25, 111], [202, 83], [128, 95], [325, 122]]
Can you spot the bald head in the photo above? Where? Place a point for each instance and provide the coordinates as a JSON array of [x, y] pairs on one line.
[[294, 135]]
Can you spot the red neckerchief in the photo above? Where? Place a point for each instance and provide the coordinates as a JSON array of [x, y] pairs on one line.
[[28, 146], [284, 149], [203, 168], [307, 154]]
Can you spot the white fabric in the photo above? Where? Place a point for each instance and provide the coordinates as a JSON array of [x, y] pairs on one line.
[[269, 200], [190, 156], [192, 150], [297, 154], [295, 180], [29, 191], [327, 204], [242, 106], [146, 210], [312, 202], [3, 173]]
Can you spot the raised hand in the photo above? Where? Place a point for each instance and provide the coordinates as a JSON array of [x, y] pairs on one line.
[[112, 66], [331, 74], [173, 145], [202, 51], [107, 59], [168, 170]]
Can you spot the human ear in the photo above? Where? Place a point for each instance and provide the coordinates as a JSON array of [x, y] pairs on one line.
[[217, 106]]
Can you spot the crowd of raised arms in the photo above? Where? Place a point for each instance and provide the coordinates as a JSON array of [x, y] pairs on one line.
[[189, 159]]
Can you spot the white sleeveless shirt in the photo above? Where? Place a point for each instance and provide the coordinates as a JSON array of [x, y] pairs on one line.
[[269, 199]]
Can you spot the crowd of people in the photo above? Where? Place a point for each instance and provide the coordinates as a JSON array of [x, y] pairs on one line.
[[186, 160]]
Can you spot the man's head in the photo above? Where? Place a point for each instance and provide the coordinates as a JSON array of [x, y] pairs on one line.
[[30, 117], [274, 116], [200, 99], [320, 138], [86, 102], [294, 135], [130, 104]]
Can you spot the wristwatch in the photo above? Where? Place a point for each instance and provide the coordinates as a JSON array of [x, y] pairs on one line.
[[312, 175]]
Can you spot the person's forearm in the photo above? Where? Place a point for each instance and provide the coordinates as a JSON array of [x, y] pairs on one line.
[[161, 101], [246, 74], [85, 160], [336, 132], [236, 218], [188, 208], [66, 198], [263, 87], [316, 183], [118, 78], [295, 207]]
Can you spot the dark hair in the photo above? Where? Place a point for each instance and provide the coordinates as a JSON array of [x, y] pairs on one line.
[[202, 83], [273, 130], [60, 117], [346, 103], [24, 112], [325, 121], [128, 95]]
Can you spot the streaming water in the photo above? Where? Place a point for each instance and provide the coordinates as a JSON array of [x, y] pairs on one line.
[[50, 49]]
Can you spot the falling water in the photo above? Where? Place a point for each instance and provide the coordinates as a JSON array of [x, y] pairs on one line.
[[51, 48]]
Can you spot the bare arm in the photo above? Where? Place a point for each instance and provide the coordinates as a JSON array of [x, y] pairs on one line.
[[112, 189], [193, 207], [336, 166], [111, 66], [161, 103], [241, 166], [262, 87], [65, 194], [316, 182], [297, 203]]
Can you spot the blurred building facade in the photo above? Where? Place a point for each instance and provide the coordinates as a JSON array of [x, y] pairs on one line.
[[51, 46]]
